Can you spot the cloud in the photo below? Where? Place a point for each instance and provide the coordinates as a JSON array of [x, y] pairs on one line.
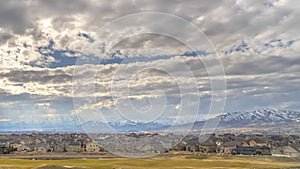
[[5, 120], [257, 41], [14, 16]]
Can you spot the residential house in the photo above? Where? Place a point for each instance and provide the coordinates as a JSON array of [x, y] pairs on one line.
[[16, 144], [42, 147], [263, 150], [192, 145], [24, 148], [244, 151], [292, 150], [228, 137], [208, 146], [192, 148], [74, 147], [249, 150], [179, 146], [3, 149], [257, 142], [92, 147], [58, 147], [278, 152], [189, 143], [229, 146]]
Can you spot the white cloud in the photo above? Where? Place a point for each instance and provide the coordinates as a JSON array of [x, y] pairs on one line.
[[260, 75], [4, 120]]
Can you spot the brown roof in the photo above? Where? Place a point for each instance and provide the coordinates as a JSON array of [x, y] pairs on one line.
[[258, 140]]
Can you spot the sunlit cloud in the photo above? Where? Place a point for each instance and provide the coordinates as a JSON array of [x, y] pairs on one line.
[[258, 43]]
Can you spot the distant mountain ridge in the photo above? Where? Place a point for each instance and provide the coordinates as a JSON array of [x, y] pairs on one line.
[[262, 115], [238, 119], [256, 118]]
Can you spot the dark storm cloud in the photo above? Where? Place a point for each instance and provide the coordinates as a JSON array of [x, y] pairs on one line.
[[14, 16], [61, 7], [242, 65]]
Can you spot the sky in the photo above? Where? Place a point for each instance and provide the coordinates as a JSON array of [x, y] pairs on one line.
[[146, 61]]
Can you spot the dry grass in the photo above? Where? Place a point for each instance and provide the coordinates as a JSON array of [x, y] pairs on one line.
[[178, 161]]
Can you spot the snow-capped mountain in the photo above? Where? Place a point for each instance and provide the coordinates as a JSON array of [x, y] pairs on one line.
[[260, 116], [257, 118]]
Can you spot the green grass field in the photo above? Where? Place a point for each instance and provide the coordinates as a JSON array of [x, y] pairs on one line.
[[162, 162]]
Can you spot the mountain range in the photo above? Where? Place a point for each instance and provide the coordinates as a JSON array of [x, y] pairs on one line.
[[240, 119], [265, 117]]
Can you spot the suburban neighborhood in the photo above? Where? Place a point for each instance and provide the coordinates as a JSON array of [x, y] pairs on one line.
[[44, 143], [222, 144]]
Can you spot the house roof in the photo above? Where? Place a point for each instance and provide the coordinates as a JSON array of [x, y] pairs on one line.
[[258, 140], [262, 147], [193, 141], [204, 139], [245, 148], [208, 143], [219, 139], [277, 151], [75, 144], [232, 143], [45, 145], [58, 144], [296, 146]]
